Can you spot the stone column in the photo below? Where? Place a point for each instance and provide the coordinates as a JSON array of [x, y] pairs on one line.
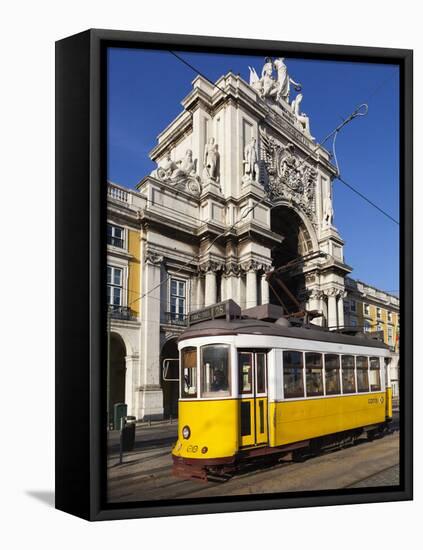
[[264, 289], [225, 288], [211, 290], [131, 383], [332, 313], [341, 310], [251, 291], [198, 299], [232, 283], [151, 396]]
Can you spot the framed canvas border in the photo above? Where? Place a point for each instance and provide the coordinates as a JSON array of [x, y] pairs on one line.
[[81, 174]]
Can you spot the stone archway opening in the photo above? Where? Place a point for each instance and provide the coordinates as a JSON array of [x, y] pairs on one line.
[[170, 385], [117, 371], [296, 244]]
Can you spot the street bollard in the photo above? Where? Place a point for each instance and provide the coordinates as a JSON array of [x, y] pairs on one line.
[[127, 436]]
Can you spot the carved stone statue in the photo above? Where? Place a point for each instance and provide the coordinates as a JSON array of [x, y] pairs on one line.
[[270, 87], [166, 168], [284, 80], [211, 160], [301, 117], [327, 211], [181, 174], [187, 166], [251, 161]]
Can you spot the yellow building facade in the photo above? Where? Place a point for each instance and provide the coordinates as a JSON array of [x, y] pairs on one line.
[[373, 310]]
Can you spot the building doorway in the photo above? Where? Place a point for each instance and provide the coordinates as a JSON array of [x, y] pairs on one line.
[[170, 385], [296, 243], [117, 371]]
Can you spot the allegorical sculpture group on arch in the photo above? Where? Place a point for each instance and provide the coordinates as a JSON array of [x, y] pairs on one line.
[[277, 167]]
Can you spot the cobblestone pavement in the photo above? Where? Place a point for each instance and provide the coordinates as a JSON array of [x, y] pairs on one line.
[[390, 476], [146, 472]]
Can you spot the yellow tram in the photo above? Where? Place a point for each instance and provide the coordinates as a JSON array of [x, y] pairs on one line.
[[250, 387]]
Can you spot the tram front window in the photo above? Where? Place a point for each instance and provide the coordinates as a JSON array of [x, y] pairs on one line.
[[215, 378], [189, 372]]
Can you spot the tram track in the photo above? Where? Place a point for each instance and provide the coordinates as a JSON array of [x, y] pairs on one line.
[[339, 469]]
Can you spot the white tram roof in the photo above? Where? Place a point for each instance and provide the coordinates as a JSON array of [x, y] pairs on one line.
[[220, 327]]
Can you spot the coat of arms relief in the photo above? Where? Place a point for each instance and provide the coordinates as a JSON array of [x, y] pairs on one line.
[[286, 176]]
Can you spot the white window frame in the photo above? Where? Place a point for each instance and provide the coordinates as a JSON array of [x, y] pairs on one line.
[[123, 265], [112, 285], [124, 236], [378, 311], [185, 298], [366, 309]]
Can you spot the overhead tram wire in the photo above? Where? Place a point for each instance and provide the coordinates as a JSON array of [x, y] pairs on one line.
[[338, 172], [353, 115], [244, 215], [334, 133]]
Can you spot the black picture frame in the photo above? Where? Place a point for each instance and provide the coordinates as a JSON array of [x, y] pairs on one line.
[[80, 264]]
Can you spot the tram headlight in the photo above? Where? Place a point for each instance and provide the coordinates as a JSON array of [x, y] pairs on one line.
[[186, 432]]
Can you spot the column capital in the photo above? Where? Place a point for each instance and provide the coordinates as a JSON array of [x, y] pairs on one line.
[[334, 292], [153, 258], [255, 265], [210, 265]]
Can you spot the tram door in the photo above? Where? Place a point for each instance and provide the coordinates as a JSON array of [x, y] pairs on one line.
[[252, 379]]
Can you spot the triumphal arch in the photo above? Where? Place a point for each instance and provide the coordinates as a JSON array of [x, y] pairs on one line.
[[241, 189]]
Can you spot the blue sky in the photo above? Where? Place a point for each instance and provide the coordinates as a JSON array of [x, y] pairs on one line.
[[146, 88]]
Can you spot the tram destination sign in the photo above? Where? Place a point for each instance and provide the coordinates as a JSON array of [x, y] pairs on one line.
[[228, 309]]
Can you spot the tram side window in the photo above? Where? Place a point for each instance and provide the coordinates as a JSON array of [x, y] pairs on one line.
[[332, 369], [215, 371], [374, 374], [314, 374], [189, 372], [293, 382], [348, 375], [362, 374]]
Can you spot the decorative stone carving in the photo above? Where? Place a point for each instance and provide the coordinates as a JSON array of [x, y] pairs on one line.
[[152, 258], [302, 118], [251, 166], [254, 265], [316, 294], [232, 268], [210, 265], [181, 174], [270, 87], [333, 292], [288, 177], [211, 161]]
